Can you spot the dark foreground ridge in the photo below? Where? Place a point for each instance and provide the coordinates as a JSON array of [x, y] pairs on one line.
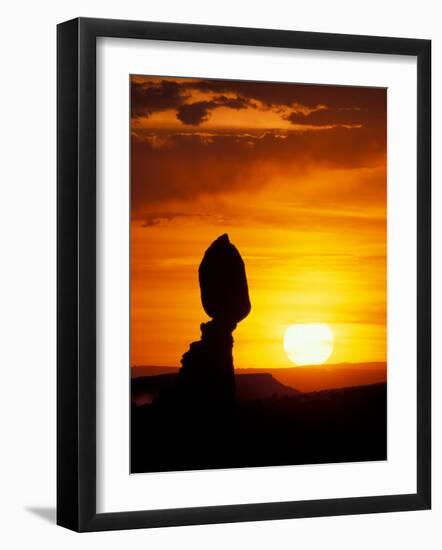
[[343, 425]]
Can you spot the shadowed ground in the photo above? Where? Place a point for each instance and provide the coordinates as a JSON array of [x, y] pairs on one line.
[[341, 425], [207, 416]]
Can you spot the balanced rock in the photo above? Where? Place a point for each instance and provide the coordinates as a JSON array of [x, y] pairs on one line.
[[206, 380], [223, 282]]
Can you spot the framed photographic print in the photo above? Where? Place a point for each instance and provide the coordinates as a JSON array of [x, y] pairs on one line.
[[243, 274]]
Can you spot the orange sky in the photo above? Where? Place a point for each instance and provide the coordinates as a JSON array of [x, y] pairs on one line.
[[296, 175]]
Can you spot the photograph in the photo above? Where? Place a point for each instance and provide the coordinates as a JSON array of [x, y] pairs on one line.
[[220, 270], [258, 273]]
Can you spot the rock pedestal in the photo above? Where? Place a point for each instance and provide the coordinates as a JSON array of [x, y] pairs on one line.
[[207, 375]]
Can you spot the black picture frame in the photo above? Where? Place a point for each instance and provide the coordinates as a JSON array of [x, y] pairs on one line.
[[76, 274]]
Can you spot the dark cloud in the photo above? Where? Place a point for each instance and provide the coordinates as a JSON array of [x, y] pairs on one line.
[[233, 103], [196, 113], [150, 97], [330, 104], [286, 94], [156, 96], [350, 116]]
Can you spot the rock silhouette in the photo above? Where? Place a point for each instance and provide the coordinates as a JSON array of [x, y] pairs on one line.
[[206, 380], [223, 282]]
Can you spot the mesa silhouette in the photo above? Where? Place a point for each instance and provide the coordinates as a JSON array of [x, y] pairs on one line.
[[260, 385], [306, 379]]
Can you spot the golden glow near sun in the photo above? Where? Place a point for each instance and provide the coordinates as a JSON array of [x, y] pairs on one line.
[[308, 343], [313, 239]]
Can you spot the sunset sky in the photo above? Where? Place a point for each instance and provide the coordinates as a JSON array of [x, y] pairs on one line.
[[296, 175]]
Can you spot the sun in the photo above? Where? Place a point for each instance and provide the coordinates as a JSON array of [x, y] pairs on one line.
[[308, 343]]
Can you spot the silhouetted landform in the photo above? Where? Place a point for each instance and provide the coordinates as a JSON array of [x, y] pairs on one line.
[[206, 380], [223, 283], [145, 389], [307, 379], [260, 386], [304, 379], [342, 425]]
